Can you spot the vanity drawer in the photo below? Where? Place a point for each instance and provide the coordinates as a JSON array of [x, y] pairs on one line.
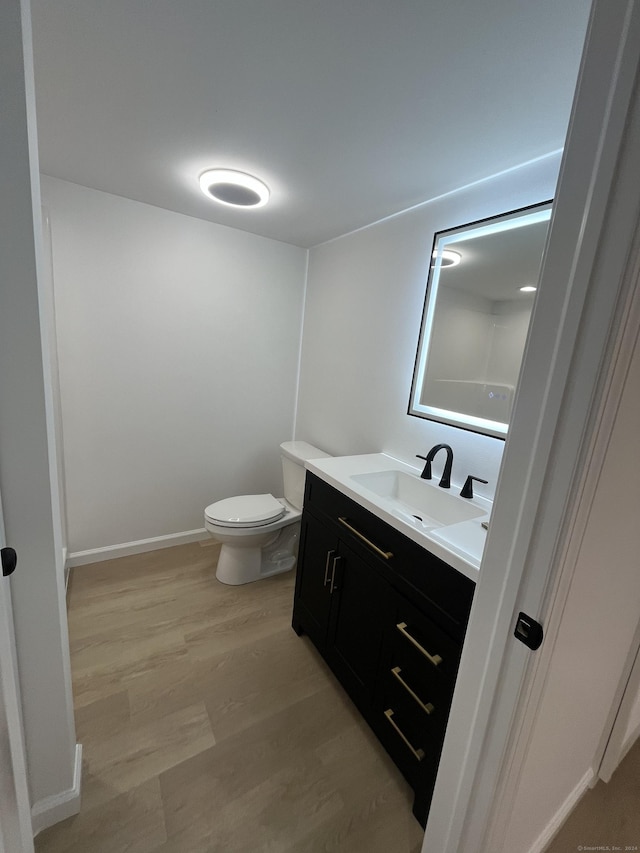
[[407, 671], [424, 706], [445, 593], [412, 739], [417, 644]]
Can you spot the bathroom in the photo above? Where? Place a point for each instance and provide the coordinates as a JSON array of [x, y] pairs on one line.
[[147, 401]]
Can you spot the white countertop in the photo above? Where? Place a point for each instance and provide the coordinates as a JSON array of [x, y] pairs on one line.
[[460, 545]]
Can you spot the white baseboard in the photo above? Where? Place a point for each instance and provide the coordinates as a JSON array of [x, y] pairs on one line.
[[111, 552], [60, 806], [562, 814]]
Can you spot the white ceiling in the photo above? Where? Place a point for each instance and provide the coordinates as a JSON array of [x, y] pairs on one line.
[[350, 110], [496, 265]]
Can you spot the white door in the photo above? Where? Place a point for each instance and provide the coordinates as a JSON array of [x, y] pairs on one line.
[[15, 816]]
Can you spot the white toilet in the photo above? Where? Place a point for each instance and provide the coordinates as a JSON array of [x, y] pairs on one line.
[[259, 533]]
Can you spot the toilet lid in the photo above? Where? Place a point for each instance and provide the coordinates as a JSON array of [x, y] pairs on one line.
[[245, 511]]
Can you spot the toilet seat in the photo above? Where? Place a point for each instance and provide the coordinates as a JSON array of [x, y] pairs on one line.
[[245, 511]]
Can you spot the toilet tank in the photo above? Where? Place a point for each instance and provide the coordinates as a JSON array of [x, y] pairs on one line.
[[294, 454]]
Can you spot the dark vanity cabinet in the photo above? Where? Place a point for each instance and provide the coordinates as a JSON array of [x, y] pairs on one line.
[[389, 619]]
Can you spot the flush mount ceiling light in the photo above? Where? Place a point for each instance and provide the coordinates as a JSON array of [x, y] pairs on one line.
[[449, 258], [235, 189], [528, 288]]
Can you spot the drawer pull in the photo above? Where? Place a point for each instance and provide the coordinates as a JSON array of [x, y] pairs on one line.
[[417, 753], [427, 707], [387, 555], [326, 567], [434, 659]]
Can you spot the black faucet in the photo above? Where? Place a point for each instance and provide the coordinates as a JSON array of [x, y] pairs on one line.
[[445, 481], [467, 489]]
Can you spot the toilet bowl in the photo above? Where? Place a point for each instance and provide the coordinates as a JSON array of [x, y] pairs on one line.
[[259, 533]]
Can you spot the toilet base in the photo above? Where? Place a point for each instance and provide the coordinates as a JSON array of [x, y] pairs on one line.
[[239, 564]]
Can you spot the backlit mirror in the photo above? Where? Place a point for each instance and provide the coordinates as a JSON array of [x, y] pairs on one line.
[[480, 294]]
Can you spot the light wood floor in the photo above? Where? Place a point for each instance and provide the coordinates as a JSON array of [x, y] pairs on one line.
[[207, 725]]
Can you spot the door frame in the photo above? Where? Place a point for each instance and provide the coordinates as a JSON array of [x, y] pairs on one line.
[[578, 303], [16, 833]]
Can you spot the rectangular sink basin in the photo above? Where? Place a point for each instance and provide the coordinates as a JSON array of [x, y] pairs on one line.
[[411, 496]]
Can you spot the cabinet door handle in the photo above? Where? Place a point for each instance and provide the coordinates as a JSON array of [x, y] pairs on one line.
[[434, 659], [387, 555], [417, 753], [334, 585], [427, 707], [326, 567]]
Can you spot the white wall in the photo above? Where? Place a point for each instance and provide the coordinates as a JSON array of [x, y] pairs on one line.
[[465, 354], [178, 354], [362, 318], [487, 347], [48, 311], [599, 623], [27, 453], [510, 323]]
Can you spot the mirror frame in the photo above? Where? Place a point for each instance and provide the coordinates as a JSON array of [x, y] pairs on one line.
[[481, 227]]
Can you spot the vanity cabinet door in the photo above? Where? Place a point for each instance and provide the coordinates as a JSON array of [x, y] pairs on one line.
[[356, 625], [317, 563]]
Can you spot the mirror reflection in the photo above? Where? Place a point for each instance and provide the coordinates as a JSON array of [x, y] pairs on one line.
[[480, 295]]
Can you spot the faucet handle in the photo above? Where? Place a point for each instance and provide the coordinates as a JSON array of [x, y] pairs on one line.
[[426, 474], [467, 489]]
